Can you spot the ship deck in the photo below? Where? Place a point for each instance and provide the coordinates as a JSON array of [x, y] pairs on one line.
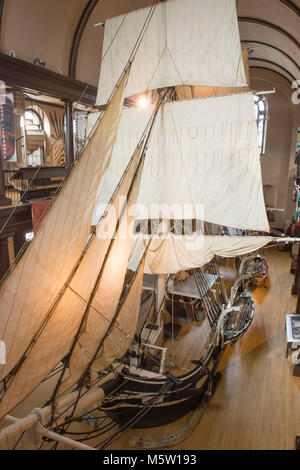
[[257, 402]]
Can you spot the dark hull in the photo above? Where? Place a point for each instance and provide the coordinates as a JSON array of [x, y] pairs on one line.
[[138, 405], [157, 416], [181, 398]]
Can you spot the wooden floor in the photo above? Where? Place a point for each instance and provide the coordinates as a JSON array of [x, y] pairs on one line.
[[257, 403]]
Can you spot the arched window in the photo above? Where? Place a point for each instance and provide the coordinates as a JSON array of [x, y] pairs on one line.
[[261, 108], [34, 143], [33, 120]]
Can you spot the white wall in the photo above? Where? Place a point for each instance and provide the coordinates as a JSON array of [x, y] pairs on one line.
[[278, 161]]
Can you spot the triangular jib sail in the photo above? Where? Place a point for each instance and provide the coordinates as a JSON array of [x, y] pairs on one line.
[[105, 256], [29, 293], [65, 302]]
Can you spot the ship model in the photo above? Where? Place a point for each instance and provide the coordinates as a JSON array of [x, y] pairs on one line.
[[133, 239]]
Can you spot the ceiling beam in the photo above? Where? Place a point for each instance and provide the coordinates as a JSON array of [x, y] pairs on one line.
[[267, 61], [270, 70], [30, 77], [271, 46], [78, 35], [266, 24], [292, 6]]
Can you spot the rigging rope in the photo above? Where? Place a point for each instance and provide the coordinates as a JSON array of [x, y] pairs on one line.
[[87, 140], [149, 405], [98, 280], [73, 272]]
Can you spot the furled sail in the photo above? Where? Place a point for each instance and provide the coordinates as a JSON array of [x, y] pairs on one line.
[[187, 42], [177, 253], [57, 337], [29, 292], [202, 162]]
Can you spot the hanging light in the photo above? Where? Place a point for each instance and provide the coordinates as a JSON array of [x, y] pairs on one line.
[[143, 101]]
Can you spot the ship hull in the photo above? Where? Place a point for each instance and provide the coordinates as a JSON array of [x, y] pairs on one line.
[[145, 402], [175, 405]]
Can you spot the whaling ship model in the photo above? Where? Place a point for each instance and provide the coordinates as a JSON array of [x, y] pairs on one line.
[[173, 176]]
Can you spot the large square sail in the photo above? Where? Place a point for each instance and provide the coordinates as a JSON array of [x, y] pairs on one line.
[[186, 42], [202, 162]]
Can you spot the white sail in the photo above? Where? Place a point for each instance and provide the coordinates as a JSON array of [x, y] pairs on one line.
[[126, 142], [62, 302], [191, 92], [104, 301], [58, 335], [202, 162], [28, 293], [190, 42], [121, 337], [177, 253]]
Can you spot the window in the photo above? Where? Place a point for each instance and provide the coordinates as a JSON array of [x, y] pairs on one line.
[[261, 108], [79, 130], [32, 120], [33, 137]]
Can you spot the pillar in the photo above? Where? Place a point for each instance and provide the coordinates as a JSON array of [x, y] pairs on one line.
[[69, 135], [161, 291]]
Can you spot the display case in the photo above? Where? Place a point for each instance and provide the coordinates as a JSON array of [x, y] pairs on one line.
[[292, 332]]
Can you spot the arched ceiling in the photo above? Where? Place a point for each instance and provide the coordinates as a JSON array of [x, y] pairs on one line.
[[63, 33], [271, 29]]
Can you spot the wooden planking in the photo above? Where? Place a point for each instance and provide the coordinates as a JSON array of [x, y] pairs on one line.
[[31, 77]]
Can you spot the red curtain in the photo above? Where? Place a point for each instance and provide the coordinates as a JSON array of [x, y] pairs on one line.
[[38, 210]]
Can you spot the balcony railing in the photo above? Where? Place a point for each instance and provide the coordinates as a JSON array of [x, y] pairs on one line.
[[29, 184]]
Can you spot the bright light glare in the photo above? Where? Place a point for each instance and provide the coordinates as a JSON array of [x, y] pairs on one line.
[[143, 101], [29, 236]]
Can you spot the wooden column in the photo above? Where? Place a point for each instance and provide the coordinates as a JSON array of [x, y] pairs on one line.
[[4, 257], [69, 134]]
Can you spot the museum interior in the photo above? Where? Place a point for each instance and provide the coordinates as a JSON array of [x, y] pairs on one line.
[[184, 333]]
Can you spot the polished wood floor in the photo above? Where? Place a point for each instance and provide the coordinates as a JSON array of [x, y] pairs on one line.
[[257, 403]]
